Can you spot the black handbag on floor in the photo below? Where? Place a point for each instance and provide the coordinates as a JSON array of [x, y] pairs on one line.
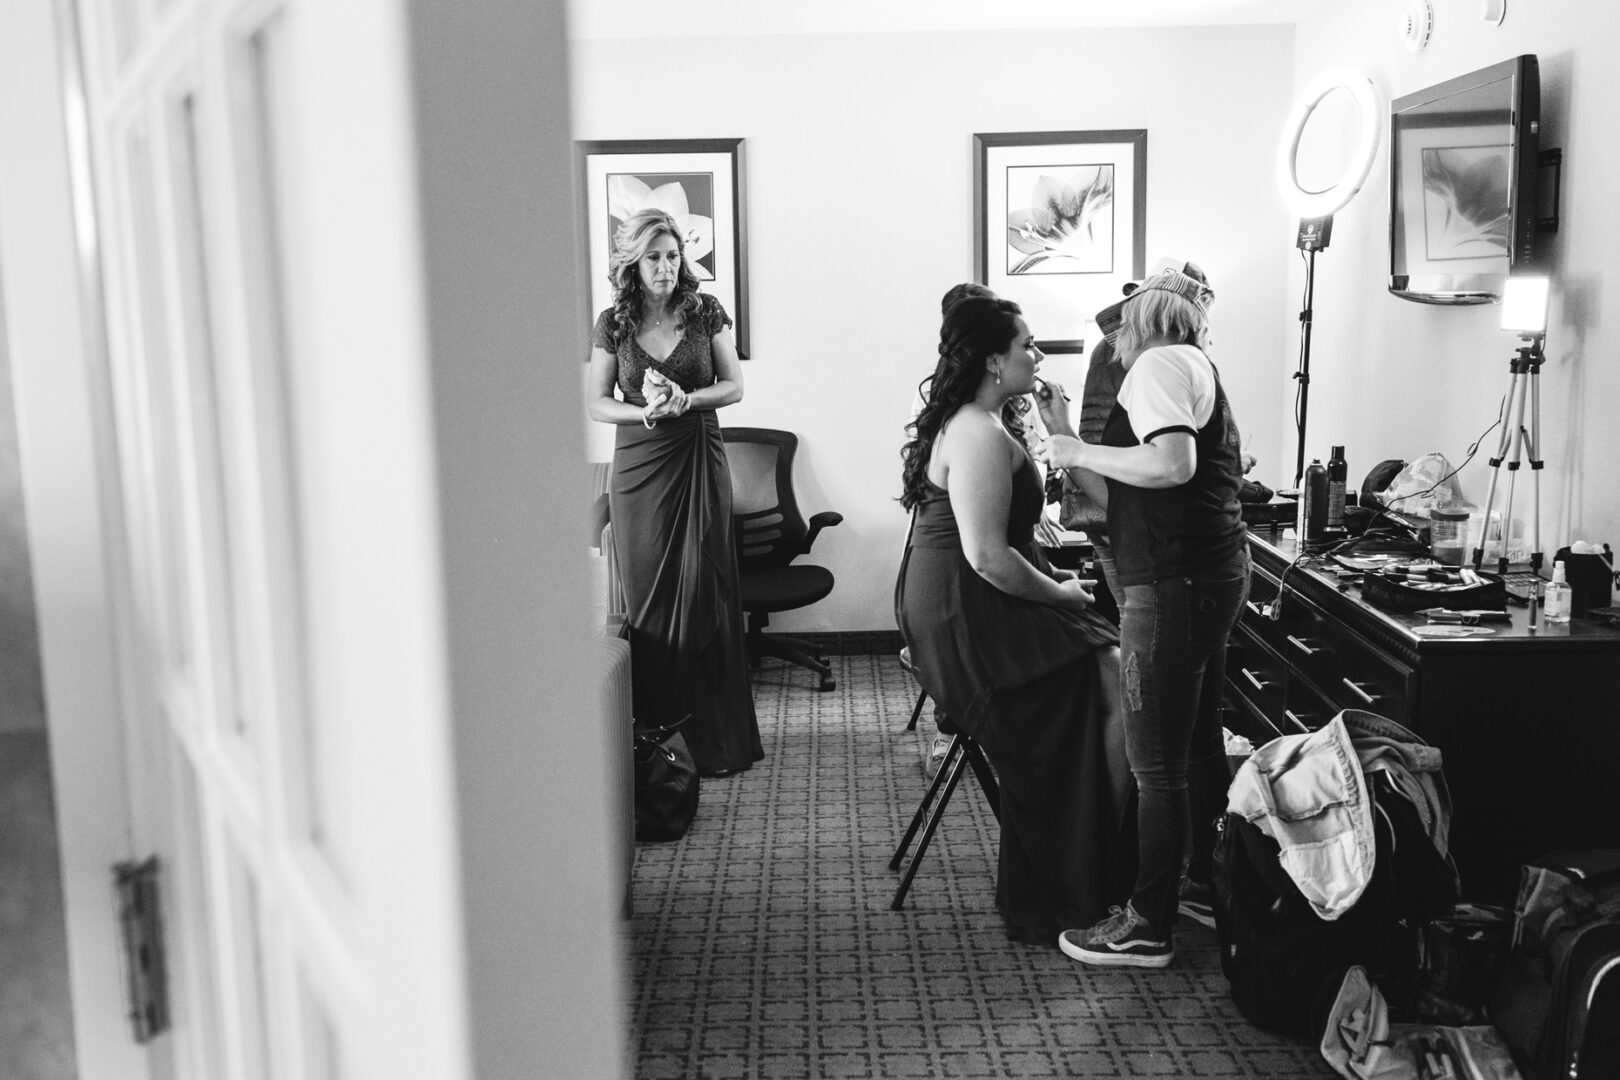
[[666, 783]]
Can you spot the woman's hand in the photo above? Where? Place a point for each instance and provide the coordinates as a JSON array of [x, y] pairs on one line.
[[673, 403], [664, 397], [1053, 405], [1074, 595], [1060, 452]]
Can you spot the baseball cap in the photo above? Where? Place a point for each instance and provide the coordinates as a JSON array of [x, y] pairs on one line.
[[1177, 276]]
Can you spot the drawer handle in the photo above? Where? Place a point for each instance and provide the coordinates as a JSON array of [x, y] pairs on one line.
[[1259, 683], [1304, 646], [1297, 720], [1360, 693]]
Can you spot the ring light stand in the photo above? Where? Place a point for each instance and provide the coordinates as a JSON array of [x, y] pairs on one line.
[[1316, 208]]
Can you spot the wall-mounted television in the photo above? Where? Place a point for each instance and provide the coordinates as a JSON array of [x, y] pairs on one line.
[[1463, 158]]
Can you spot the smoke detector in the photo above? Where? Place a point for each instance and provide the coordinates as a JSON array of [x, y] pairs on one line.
[[1415, 25]]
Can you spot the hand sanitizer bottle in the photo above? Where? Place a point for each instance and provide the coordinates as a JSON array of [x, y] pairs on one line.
[[1555, 603]]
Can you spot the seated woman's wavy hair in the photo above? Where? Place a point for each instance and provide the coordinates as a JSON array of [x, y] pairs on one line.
[[975, 328], [630, 243]]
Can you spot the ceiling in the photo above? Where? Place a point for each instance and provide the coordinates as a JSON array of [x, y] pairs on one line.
[[591, 19]]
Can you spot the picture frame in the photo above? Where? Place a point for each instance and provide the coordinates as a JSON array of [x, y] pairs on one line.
[[1451, 204], [701, 181], [1060, 224]]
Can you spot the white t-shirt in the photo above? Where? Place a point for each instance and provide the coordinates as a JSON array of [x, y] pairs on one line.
[[1169, 388]]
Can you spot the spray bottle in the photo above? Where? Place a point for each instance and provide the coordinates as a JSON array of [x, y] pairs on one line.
[[1313, 503]]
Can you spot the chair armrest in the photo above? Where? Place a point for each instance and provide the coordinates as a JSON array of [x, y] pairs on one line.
[[824, 520]]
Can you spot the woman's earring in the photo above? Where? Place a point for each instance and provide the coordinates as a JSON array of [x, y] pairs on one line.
[[998, 378]]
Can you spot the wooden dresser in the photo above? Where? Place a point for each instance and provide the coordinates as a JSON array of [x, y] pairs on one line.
[[1528, 722]]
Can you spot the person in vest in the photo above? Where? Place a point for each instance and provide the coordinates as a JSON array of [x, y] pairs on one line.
[[1171, 457]]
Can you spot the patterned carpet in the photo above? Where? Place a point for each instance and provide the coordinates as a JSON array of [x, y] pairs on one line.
[[764, 945]]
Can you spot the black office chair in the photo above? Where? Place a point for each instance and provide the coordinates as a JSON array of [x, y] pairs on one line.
[[771, 533]]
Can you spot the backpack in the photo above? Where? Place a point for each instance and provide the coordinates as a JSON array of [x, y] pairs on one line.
[[1284, 963]]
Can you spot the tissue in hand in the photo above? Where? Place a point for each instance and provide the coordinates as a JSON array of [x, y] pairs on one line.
[[655, 388]]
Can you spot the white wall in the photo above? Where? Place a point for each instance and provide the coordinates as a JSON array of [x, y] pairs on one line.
[[540, 854], [1398, 379], [860, 211]]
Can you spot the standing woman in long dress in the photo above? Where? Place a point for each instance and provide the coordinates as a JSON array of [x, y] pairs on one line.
[[667, 349]]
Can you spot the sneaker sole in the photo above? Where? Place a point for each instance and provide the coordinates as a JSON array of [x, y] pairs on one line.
[[1113, 959]]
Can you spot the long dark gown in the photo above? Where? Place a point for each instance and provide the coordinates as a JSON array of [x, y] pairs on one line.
[[670, 504], [1037, 686]]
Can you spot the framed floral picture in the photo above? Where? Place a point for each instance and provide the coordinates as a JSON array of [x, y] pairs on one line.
[[700, 183], [1059, 225], [1453, 204]]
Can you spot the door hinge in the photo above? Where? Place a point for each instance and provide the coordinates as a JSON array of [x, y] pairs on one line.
[[140, 920]]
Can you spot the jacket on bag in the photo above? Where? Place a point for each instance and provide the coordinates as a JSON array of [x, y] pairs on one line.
[[1310, 794]]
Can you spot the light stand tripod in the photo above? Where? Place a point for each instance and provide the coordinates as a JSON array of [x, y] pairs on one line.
[[1525, 382]]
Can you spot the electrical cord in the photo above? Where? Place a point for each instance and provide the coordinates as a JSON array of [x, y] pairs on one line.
[[1274, 609], [1473, 449]]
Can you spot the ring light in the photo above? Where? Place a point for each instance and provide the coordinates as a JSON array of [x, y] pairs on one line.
[[1315, 204]]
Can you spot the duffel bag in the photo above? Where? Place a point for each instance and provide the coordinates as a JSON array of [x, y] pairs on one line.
[[1557, 1002]]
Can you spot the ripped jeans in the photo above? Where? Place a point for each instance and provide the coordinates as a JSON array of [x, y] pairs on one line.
[[1173, 635]]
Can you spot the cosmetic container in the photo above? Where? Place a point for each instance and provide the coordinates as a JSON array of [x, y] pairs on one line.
[[1555, 599]]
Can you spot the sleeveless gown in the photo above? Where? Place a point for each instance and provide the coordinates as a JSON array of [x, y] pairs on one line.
[[1037, 687]]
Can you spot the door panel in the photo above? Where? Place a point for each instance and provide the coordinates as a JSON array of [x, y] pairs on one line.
[[283, 615], [269, 522]]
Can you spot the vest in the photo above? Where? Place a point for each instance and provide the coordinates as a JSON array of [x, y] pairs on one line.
[[1164, 532]]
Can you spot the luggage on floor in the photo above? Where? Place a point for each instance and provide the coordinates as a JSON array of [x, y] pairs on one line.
[[1361, 1044], [1460, 957], [1557, 1001], [1283, 958]]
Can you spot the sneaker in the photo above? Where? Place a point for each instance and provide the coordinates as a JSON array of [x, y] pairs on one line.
[[1197, 903], [1124, 939], [936, 755]]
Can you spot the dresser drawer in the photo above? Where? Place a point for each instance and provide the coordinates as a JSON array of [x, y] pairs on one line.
[[1328, 665], [1305, 707], [1368, 679], [1255, 673]]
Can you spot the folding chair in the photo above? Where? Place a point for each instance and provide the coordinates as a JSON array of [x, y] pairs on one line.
[[963, 752]]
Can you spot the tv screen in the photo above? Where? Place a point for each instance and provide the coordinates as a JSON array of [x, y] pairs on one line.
[[1463, 159]]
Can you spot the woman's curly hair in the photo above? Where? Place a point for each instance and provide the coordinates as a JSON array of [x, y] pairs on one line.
[[975, 328], [638, 233]]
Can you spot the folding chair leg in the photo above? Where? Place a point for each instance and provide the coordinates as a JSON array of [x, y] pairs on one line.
[[987, 779], [951, 770], [951, 754], [917, 711]]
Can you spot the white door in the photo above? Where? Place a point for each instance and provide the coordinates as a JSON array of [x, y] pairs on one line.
[[288, 598]]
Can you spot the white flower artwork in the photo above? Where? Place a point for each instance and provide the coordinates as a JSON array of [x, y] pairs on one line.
[[1060, 225], [1060, 221]]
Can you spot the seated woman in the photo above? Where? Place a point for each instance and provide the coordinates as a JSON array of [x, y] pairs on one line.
[[1006, 646]]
